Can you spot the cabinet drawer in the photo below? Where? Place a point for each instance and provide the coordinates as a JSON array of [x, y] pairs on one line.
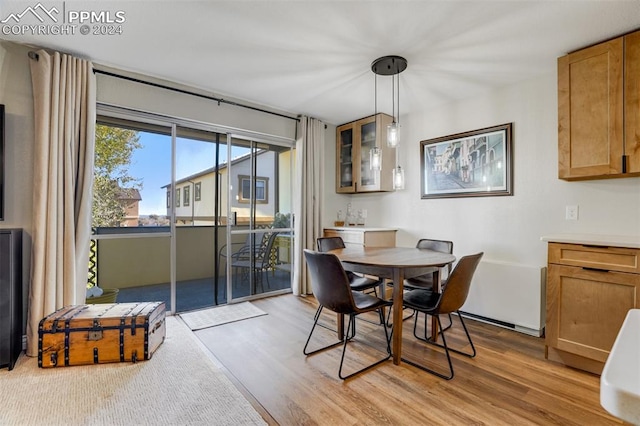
[[352, 237], [595, 257], [586, 308]]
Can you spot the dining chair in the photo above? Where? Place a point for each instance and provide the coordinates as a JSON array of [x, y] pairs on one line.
[[425, 282], [332, 290], [450, 300], [357, 282], [257, 262]]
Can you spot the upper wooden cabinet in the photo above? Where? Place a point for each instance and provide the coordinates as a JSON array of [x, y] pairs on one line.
[[354, 141], [598, 108]]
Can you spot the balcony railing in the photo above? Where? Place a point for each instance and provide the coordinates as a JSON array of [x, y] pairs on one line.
[[140, 265]]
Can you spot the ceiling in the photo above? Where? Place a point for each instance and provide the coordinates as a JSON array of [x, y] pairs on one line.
[[314, 57]]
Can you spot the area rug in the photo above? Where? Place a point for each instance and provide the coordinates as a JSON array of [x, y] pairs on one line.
[[179, 385], [205, 318]]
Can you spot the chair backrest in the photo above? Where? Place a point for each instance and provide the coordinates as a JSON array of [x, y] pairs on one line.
[[263, 255], [330, 243], [329, 282], [457, 286], [437, 245]]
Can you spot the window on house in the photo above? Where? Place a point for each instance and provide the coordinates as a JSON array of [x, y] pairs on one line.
[[197, 188], [186, 196], [168, 199], [177, 197], [260, 188]]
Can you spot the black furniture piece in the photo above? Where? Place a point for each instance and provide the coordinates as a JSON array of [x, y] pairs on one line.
[[425, 282], [332, 291], [357, 282], [450, 300], [10, 296]]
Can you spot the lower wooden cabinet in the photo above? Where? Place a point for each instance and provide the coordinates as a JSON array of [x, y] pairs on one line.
[[588, 298]]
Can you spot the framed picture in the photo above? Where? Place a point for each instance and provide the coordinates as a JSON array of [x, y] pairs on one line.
[[470, 164]]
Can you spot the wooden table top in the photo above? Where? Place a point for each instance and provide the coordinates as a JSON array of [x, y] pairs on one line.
[[394, 257]]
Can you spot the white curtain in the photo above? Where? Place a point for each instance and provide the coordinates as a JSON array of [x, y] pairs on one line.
[[64, 95], [309, 195]]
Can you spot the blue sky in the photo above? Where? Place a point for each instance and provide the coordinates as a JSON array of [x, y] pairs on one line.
[[152, 164]]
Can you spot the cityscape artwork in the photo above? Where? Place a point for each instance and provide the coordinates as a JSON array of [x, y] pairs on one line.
[[470, 164]]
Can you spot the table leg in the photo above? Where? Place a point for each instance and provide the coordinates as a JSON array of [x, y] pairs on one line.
[[340, 326], [398, 284]]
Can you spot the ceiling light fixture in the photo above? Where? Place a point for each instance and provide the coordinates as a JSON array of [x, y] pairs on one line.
[[390, 65]]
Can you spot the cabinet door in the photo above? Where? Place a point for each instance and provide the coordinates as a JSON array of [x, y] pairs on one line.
[[345, 179], [586, 308], [369, 179], [372, 133], [590, 112], [632, 102]]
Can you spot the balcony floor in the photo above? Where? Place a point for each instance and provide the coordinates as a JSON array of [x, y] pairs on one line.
[[198, 294]]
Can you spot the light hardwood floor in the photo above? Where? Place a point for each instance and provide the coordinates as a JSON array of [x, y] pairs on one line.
[[508, 383]]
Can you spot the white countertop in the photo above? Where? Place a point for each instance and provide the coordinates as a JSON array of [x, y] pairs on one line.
[[620, 380], [630, 241], [359, 228]]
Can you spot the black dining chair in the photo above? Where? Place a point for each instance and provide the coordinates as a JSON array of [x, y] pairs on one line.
[[332, 290], [425, 282], [357, 282], [450, 300]]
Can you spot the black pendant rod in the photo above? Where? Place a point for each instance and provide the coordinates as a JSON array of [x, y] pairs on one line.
[[186, 92]]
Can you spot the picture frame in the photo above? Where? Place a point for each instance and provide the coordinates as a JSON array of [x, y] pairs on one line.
[[470, 164]]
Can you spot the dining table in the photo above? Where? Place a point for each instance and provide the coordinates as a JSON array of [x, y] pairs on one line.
[[396, 264]]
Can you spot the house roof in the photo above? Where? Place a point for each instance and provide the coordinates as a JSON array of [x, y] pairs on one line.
[[130, 194]]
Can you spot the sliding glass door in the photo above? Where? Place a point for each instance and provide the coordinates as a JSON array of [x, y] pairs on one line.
[[260, 217], [183, 216]]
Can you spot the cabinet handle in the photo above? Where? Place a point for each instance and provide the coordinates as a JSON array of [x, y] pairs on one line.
[[595, 269], [594, 246]]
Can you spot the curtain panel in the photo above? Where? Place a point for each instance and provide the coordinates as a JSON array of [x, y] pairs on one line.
[[64, 92], [308, 197]]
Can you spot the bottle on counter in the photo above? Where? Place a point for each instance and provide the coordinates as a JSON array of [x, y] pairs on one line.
[[339, 219]]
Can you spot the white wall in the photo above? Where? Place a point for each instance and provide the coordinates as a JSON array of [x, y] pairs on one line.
[[17, 96], [509, 228]]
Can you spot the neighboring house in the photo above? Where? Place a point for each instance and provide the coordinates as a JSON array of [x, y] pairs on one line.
[[130, 199], [194, 195]]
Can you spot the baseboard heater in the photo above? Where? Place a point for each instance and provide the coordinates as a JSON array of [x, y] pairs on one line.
[[488, 320], [508, 295]]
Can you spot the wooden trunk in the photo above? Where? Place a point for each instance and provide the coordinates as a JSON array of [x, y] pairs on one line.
[[101, 333]]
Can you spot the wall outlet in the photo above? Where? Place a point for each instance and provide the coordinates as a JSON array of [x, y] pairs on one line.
[[571, 213]]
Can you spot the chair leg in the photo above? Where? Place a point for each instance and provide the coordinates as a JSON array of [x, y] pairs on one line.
[[425, 338], [351, 326], [473, 348], [446, 350], [315, 322], [403, 318]]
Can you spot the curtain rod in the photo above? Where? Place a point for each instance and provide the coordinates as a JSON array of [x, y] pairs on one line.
[[186, 92]]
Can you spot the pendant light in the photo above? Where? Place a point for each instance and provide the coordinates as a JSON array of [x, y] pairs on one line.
[[390, 65]]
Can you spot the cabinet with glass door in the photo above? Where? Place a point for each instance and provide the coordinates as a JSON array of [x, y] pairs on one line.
[[355, 140]]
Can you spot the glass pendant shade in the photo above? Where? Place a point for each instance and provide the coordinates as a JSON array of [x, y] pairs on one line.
[[393, 134], [398, 178], [375, 158]]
